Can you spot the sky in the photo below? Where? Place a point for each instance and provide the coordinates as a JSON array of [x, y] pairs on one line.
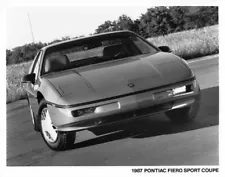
[[49, 23]]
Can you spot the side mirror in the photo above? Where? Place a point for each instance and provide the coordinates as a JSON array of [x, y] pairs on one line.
[[28, 78], [165, 49]]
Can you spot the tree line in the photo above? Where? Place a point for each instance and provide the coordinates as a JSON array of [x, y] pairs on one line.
[[156, 21]]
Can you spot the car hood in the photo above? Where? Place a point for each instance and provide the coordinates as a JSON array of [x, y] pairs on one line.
[[119, 77]]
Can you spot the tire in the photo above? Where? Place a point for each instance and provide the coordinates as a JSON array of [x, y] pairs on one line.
[[186, 114], [33, 117], [55, 140], [34, 121]]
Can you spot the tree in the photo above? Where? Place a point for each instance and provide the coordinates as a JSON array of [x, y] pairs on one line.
[[66, 38], [105, 27], [124, 23], [156, 21], [8, 56], [177, 14]]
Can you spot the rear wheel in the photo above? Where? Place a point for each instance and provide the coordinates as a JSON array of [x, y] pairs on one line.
[[186, 114], [54, 139]]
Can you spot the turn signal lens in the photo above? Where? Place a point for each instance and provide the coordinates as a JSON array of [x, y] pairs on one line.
[[84, 111], [192, 86]]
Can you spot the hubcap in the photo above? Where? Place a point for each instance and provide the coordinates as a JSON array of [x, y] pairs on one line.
[[49, 132]]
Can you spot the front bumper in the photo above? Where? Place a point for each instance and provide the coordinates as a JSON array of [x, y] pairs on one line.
[[122, 109]]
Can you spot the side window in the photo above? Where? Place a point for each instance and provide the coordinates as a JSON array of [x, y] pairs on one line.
[[35, 66], [31, 70]]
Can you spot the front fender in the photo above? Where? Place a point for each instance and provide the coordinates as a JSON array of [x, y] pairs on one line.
[[48, 91]]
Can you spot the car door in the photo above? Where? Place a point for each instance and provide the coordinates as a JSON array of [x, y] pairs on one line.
[[32, 88]]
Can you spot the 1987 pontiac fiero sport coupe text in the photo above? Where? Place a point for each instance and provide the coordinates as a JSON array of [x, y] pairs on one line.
[[107, 78]]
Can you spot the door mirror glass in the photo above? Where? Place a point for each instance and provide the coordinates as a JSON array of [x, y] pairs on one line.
[[28, 78], [165, 49]]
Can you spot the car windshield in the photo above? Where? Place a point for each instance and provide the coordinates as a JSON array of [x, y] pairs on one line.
[[94, 50]]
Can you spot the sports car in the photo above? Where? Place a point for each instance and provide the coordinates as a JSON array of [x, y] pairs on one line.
[[104, 79]]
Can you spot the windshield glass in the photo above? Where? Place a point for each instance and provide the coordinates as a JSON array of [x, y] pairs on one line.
[[93, 51]]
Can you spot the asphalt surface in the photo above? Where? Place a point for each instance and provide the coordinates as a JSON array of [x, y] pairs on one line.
[[153, 140]]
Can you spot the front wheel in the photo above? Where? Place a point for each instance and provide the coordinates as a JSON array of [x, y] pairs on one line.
[[54, 139]]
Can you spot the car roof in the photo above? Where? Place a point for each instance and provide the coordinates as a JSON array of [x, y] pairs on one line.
[[88, 37]]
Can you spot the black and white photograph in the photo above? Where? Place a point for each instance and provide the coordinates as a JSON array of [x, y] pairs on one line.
[[131, 86]]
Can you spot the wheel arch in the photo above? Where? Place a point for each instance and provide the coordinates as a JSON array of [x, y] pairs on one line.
[[39, 97], [37, 118]]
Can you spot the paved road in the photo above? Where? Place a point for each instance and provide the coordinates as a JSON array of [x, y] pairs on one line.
[[150, 141]]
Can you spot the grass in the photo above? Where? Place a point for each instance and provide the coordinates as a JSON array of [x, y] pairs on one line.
[[187, 44], [192, 43], [14, 88]]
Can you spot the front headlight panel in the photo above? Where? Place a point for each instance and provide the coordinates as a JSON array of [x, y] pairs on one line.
[[179, 90], [185, 89]]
